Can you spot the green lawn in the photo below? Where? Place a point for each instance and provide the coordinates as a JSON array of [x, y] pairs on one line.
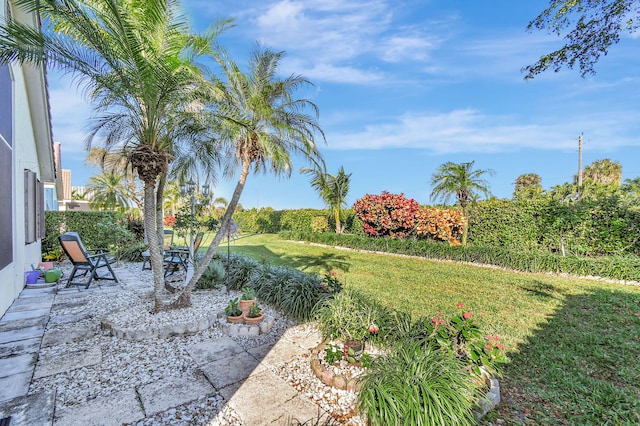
[[573, 344]]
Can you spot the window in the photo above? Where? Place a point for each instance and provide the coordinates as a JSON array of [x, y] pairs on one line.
[[6, 166]]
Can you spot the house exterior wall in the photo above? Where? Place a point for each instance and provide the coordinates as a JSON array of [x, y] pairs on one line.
[[31, 150]]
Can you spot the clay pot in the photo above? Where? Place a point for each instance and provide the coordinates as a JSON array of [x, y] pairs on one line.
[[246, 304], [234, 320], [251, 321]]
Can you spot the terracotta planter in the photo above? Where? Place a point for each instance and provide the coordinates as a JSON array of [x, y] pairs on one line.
[[245, 305], [251, 321], [234, 320]]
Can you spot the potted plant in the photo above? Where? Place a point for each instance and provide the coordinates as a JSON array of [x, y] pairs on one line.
[[234, 314], [247, 299], [254, 315]]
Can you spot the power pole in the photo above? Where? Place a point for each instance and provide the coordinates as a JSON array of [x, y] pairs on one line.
[[580, 161]]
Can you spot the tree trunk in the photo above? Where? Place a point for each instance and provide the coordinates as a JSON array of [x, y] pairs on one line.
[[338, 225], [159, 209], [465, 228], [221, 234], [154, 244]]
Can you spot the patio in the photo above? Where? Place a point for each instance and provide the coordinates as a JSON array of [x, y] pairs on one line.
[[58, 366]]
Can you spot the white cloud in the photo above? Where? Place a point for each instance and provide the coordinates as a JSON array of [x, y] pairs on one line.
[[70, 114], [468, 130]]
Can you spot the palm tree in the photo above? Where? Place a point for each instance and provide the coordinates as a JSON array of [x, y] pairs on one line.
[[460, 180], [136, 61], [264, 125], [109, 191], [528, 186], [332, 189]]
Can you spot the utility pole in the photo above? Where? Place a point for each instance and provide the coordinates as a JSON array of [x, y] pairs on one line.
[[580, 161]]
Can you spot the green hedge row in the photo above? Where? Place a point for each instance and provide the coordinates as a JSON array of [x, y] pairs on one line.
[[270, 221], [616, 267], [96, 228], [588, 228]]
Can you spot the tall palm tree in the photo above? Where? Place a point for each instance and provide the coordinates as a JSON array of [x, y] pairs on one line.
[[136, 62], [109, 191], [332, 189], [264, 124], [459, 180], [528, 186]]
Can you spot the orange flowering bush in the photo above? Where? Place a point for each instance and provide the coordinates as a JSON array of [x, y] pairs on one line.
[[439, 224], [387, 215]]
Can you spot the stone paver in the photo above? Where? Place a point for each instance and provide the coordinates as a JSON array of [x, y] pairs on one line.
[[15, 385], [20, 347], [22, 315], [24, 323], [33, 410], [17, 364], [50, 365], [206, 352], [227, 371], [113, 410], [21, 334], [164, 394], [58, 337]]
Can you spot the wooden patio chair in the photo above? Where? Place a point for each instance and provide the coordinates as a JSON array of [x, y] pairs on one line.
[[85, 261], [176, 258]]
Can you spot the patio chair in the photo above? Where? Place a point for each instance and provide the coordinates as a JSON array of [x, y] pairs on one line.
[[176, 258], [85, 261], [167, 245]]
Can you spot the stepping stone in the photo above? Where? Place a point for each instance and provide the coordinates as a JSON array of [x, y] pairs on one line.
[[22, 315], [17, 335], [17, 364], [68, 318], [20, 347], [214, 350], [227, 371], [57, 337], [49, 365], [14, 386], [35, 409], [167, 393], [115, 409], [282, 351], [306, 339], [23, 323], [31, 303]]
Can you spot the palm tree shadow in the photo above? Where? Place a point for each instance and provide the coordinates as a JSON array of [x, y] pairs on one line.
[[325, 261]]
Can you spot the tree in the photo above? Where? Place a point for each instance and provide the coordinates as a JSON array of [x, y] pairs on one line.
[[604, 172], [263, 125], [137, 63], [332, 189], [528, 186], [594, 25], [109, 191], [460, 180]]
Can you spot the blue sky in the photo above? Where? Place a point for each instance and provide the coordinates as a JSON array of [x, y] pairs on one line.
[[404, 86]]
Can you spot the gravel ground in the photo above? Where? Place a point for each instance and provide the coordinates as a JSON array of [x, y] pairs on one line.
[[131, 364]]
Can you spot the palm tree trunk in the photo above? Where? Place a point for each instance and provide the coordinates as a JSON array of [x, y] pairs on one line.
[[154, 243], [222, 232], [338, 225], [465, 228], [159, 210]]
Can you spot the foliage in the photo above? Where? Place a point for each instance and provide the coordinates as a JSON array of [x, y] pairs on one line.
[[459, 180], [93, 228], [386, 215], [332, 353], [347, 315], [212, 277], [332, 283], [248, 293], [109, 191], [239, 270], [332, 189], [439, 224], [596, 26], [617, 267], [265, 220], [300, 219], [233, 308], [169, 221], [254, 311], [417, 385], [136, 227], [319, 224], [131, 252], [528, 186]]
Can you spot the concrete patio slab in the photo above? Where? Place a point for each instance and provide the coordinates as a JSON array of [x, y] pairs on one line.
[[282, 351], [23, 323], [20, 347], [306, 339], [21, 334], [167, 393], [113, 410], [227, 371], [17, 364], [36, 409], [31, 303], [210, 351], [50, 365], [57, 337], [265, 399], [21, 315], [14, 386]]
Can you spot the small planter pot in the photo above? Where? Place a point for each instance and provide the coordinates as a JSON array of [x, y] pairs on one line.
[[234, 320], [246, 304], [252, 321]]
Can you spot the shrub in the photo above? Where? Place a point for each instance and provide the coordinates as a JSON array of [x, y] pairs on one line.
[[417, 385], [439, 224], [386, 215], [239, 268], [319, 224], [212, 277], [131, 252]]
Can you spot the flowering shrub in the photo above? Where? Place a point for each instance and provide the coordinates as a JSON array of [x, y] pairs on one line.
[[169, 221], [440, 224], [386, 215], [462, 338]]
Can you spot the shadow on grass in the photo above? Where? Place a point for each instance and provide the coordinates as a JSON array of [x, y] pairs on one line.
[[317, 262], [581, 367]]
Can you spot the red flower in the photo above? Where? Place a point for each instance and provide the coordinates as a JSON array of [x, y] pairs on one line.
[[373, 328], [459, 305], [467, 315]]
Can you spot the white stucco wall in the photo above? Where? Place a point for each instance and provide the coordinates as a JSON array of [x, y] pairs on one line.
[[29, 150]]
